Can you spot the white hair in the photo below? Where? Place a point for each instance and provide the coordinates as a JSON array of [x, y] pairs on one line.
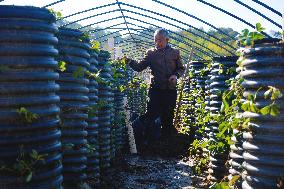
[[162, 31]]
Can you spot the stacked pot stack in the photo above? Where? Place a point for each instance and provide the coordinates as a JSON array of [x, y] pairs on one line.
[[74, 102], [197, 69], [104, 113], [93, 166], [119, 95], [263, 144], [222, 70], [29, 127], [113, 126]]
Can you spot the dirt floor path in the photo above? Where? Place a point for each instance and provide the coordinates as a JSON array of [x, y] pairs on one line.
[[152, 170], [152, 173]]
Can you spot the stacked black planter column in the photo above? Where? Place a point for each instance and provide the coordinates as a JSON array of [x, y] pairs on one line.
[[264, 143], [104, 113], [74, 102], [222, 70], [197, 69], [119, 112], [28, 104], [93, 166]]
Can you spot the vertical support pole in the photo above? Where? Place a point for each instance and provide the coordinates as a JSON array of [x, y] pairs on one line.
[[283, 26], [131, 138]]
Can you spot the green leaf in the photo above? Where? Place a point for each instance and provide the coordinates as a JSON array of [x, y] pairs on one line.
[[265, 110], [95, 45], [245, 32], [274, 110], [245, 106], [259, 28], [234, 180], [29, 177], [267, 93], [62, 66], [79, 72]]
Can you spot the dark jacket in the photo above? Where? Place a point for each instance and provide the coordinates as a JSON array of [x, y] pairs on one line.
[[163, 63]]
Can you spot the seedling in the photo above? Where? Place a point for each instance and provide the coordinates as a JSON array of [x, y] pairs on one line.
[[27, 116]]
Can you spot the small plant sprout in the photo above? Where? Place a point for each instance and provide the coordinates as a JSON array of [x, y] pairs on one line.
[[26, 115], [248, 38]]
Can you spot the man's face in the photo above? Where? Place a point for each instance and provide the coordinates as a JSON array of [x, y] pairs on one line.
[[160, 41]]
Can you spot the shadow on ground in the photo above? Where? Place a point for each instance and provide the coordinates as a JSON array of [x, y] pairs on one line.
[[159, 166]]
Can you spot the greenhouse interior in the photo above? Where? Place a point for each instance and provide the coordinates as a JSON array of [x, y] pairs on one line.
[[153, 94]]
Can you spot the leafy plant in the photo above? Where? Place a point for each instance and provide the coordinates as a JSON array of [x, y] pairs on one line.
[[90, 148], [4, 68], [62, 66], [85, 37], [27, 116], [248, 38], [57, 14], [95, 45], [26, 164], [79, 72]]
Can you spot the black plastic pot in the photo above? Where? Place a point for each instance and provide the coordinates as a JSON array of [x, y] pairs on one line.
[[74, 102], [93, 158], [27, 81], [222, 70], [104, 113], [263, 144]]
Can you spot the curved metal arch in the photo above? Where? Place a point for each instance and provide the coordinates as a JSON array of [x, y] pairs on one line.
[[268, 7], [192, 16], [85, 18], [48, 5], [82, 27], [188, 44], [183, 30], [171, 23], [95, 30], [203, 52], [232, 15], [172, 37], [87, 10], [125, 22], [173, 33], [259, 13], [145, 42], [130, 52], [163, 22]]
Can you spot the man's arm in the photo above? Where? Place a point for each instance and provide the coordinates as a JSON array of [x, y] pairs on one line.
[[142, 65], [180, 68]]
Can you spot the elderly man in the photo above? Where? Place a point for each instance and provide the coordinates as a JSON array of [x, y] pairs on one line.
[[165, 64]]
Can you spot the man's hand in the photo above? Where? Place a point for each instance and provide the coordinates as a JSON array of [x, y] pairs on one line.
[[126, 59], [173, 80]]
